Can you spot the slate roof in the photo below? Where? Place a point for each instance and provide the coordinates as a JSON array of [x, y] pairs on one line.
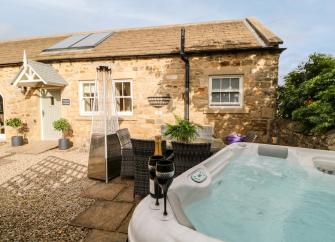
[[246, 33], [46, 72]]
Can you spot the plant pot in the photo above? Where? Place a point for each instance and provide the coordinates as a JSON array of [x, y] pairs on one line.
[[17, 140], [64, 144]]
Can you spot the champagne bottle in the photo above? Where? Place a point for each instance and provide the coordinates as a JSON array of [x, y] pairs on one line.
[[154, 189], [158, 145]]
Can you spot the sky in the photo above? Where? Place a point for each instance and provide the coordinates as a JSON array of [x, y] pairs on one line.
[[306, 26]]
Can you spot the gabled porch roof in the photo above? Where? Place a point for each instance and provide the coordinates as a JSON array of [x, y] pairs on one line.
[[37, 74]]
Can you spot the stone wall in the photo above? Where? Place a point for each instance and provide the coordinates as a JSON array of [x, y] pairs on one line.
[[159, 76], [16, 104], [287, 135]]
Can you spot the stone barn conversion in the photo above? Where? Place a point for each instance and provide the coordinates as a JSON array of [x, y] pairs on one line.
[[233, 78]]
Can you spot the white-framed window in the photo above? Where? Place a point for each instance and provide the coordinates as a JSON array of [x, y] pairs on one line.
[[124, 96], [87, 90], [226, 91]]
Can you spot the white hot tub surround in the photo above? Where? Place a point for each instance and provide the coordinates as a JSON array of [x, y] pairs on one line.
[[194, 184]]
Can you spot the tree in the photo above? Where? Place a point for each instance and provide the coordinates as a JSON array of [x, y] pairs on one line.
[[308, 95]]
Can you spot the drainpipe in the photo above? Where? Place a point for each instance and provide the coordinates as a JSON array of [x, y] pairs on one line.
[[187, 75]]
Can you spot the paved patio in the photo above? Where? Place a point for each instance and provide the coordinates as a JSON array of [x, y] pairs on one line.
[[47, 196], [35, 148], [109, 216]]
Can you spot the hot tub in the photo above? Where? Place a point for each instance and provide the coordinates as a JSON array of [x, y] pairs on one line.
[[247, 192]]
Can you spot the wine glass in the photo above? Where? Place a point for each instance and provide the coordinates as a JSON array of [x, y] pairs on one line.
[[164, 174], [152, 175]]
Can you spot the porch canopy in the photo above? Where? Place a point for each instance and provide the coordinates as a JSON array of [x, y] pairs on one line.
[[35, 74]]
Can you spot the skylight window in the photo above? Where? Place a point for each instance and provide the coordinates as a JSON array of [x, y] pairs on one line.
[[80, 41], [68, 42], [91, 40]]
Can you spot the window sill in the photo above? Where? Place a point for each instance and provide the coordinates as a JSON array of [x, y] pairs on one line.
[[127, 118], [120, 118], [125, 114], [213, 110]]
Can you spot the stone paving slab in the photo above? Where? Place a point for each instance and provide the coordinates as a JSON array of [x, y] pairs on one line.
[[105, 236], [5, 155], [105, 215], [104, 191], [5, 161], [126, 195], [36, 147], [124, 226], [124, 180]]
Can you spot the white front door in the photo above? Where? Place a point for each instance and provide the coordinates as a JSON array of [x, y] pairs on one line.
[[50, 111], [2, 120]]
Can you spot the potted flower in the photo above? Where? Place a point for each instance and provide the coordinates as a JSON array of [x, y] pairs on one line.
[[15, 123], [64, 126], [186, 153]]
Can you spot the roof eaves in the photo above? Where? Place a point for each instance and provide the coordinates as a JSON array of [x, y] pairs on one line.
[[147, 55]]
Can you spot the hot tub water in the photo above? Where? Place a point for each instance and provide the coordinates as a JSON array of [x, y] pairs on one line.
[[259, 198]]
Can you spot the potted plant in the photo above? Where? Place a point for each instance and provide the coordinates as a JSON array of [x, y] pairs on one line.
[[183, 131], [64, 126], [186, 153], [15, 123]]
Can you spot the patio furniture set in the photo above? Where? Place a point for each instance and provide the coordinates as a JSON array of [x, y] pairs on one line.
[[136, 152]]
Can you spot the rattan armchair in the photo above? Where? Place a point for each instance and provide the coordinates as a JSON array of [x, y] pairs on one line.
[[143, 149], [204, 131], [187, 155], [128, 159], [250, 137]]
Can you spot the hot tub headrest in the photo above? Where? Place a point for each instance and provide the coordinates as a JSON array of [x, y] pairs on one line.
[[273, 151]]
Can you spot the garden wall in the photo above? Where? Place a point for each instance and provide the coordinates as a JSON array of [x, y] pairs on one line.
[[287, 135]]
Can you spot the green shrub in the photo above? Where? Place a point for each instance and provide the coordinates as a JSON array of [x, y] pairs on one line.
[[308, 95], [183, 130], [15, 123], [62, 125]]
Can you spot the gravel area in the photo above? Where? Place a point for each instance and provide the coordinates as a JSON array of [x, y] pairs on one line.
[[24, 161], [40, 195]]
